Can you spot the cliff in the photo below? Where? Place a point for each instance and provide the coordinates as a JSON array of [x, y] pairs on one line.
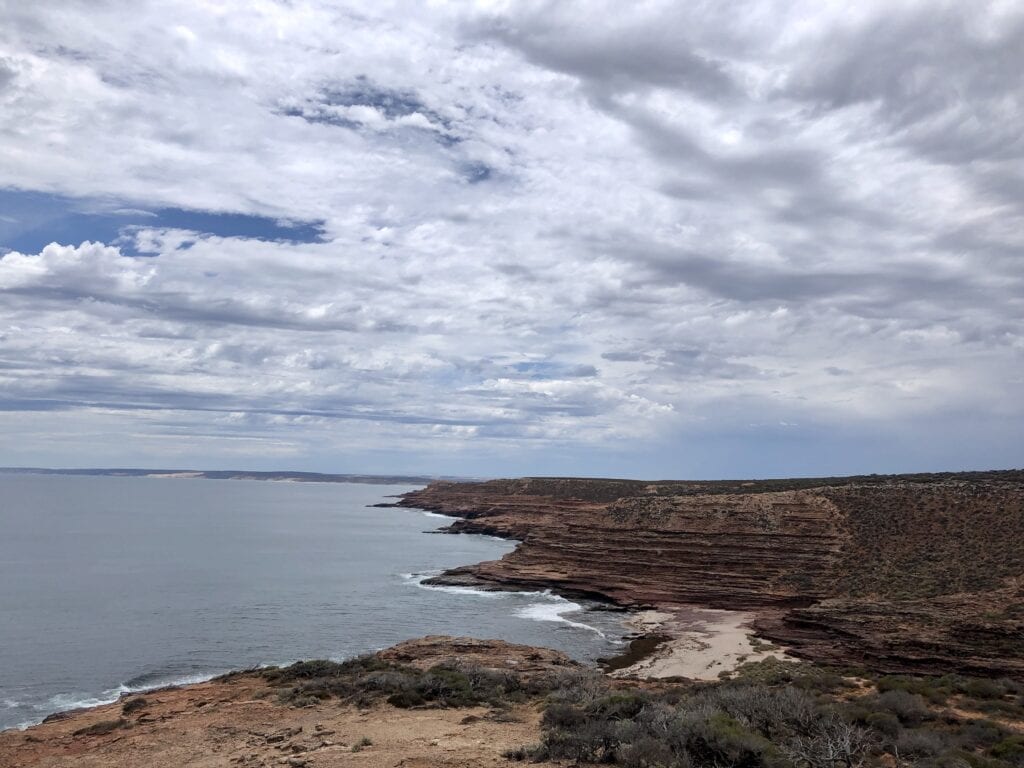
[[916, 573]]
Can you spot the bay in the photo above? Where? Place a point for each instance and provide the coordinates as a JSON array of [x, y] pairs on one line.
[[116, 584]]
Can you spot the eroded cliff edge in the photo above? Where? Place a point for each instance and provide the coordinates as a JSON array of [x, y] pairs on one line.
[[915, 573]]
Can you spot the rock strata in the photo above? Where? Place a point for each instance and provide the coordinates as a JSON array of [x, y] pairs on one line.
[[904, 573]]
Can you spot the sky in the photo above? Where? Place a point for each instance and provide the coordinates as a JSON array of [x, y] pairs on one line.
[[646, 239]]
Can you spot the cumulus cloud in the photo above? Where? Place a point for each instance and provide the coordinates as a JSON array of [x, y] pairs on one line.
[[634, 244]]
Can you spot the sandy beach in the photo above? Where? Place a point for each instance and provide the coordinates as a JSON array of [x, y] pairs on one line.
[[703, 643]]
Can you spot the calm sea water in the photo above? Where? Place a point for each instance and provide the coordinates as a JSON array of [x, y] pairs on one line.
[[109, 585]]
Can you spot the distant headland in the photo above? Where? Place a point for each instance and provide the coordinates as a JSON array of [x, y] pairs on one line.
[[232, 474]]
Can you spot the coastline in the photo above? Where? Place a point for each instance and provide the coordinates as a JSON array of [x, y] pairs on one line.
[[901, 574], [666, 640], [83, 700], [657, 641], [242, 719]]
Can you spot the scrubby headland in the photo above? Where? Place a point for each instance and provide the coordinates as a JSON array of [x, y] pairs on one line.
[[901, 573]]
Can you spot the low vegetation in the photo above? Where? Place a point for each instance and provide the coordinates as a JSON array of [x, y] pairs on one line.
[[609, 489], [769, 714], [925, 541], [134, 705], [780, 715], [102, 728], [367, 679]]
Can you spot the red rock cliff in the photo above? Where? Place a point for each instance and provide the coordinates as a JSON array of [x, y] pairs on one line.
[[913, 573]]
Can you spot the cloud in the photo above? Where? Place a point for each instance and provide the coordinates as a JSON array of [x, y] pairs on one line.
[[632, 53], [362, 104], [541, 237], [7, 72]]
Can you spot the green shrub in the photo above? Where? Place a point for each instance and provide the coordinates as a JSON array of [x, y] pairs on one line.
[[935, 690], [738, 724], [447, 687], [910, 708], [952, 759], [134, 705], [920, 743], [592, 741], [406, 699], [722, 740], [984, 688], [1011, 709], [306, 670], [365, 679], [980, 733], [979, 761], [562, 716], [535, 753], [770, 671], [826, 681], [650, 752], [618, 706], [101, 728], [1010, 749], [885, 723], [576, 686], [775, 672]]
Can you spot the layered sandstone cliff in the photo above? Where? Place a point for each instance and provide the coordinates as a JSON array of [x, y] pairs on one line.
[[913, 573]]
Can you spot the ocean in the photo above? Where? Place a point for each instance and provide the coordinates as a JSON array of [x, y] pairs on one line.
[[117, 584]]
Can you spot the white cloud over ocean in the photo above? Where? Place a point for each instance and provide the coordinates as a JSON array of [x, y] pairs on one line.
[[654, 239]]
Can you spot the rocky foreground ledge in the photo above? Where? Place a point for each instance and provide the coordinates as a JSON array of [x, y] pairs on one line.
[[462, 703], [902, 573], [252, 719]]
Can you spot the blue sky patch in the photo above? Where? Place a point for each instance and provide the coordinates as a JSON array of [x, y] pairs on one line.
[[29, 221], [475, 173], [362, 92], [391, 103], [553, 370]]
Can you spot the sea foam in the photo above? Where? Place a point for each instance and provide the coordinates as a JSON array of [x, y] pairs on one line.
[[417, 579], [65, 702], [554, 608], [550, 607]]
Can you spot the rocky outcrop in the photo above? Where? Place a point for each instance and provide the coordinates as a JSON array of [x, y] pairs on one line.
[[904, 573], [239, 720], [426, 652]]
